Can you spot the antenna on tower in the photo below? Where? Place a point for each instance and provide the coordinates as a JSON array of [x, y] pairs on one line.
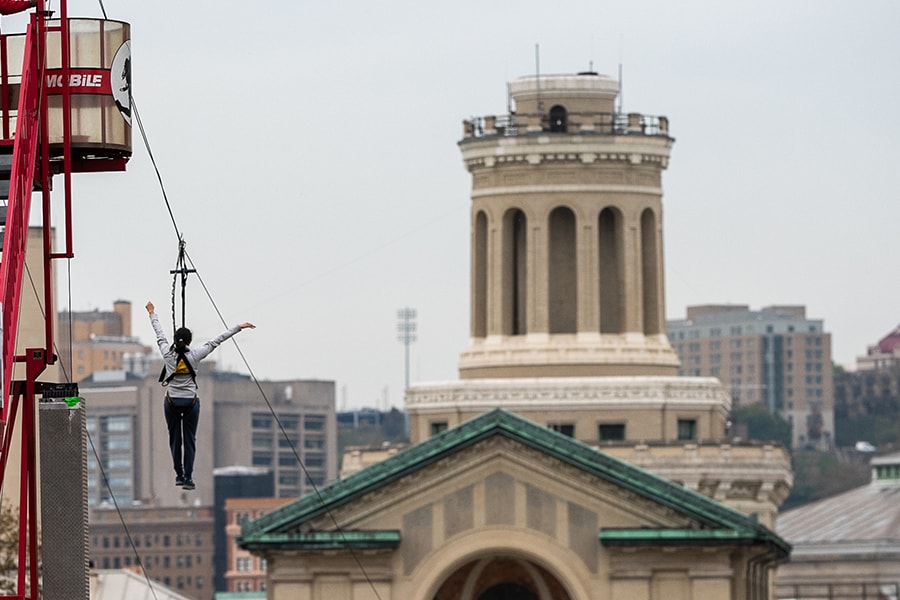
[[621, 84], [537, 71]]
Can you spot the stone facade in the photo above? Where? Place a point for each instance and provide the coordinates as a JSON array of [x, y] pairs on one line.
[[500, 505]]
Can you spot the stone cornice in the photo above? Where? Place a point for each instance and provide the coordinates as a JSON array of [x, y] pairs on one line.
[[568, 189], [567, 393], [584, 149]]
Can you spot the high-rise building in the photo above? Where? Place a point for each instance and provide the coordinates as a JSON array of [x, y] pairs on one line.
[[775, 356]]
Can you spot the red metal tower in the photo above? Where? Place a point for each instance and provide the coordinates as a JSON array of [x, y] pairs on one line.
[[36, 143]]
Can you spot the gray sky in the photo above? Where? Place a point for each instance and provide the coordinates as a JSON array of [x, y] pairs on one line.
[[309, 153]]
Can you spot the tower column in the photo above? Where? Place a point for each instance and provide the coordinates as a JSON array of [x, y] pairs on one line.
[[588, 284], [633, 305], [538, 274], [495, 244]]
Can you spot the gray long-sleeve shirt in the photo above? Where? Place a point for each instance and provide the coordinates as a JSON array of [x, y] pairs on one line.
[[183, 386]]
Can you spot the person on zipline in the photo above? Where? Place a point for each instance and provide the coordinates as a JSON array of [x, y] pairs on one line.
[[8, 7], [182, 404]]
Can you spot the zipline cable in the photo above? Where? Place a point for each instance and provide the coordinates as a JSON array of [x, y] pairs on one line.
[[284, 433], [131, 543], [193, 269]]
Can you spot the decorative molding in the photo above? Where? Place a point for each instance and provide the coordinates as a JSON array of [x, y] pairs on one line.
[[566, 392], [574, 188]]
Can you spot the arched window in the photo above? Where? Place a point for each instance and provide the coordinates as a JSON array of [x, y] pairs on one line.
[[562, 275], [479, 276], [650, 274], [559, 120], [514, 272], [612, 271]]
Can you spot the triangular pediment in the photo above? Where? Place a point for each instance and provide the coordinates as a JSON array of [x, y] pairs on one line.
[[500, 470]]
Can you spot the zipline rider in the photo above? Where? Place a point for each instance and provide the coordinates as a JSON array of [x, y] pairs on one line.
[[182, 404]]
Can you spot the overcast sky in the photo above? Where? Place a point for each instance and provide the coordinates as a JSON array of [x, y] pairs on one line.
[[309, 153]]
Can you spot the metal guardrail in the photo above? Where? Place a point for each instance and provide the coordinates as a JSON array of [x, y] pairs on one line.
[[839, 591], [593, 124]]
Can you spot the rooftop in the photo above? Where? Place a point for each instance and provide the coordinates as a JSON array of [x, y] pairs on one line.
[[870, 513]]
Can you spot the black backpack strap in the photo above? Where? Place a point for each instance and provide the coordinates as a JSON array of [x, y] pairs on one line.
[[180, 357]]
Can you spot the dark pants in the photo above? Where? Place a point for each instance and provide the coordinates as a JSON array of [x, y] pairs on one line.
[[182, 417]]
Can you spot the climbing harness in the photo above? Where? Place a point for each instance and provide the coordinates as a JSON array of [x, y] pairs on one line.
[[182, 367]]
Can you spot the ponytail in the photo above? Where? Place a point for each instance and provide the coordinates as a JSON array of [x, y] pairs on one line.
[[183, 338]]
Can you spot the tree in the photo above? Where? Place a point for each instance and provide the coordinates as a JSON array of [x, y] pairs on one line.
[[762, 424], [9, 548]]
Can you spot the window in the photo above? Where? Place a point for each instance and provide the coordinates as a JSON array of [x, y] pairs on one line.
[[288, 442], [314, 423], [261, 439], [558, 119], [438, 427], [289, 479], [315, 462], [262, 459], [687, 429], [611, 431], [261, 421], [563, 428]]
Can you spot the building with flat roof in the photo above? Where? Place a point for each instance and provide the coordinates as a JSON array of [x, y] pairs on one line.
[[245, 572], [175, 545], [92, 342], [775, 356]]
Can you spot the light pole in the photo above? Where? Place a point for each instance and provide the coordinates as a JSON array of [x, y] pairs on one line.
[[406, 332]]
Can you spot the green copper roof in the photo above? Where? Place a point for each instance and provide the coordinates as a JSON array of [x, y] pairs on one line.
[[711, 514], [630, 538], [328, 540]]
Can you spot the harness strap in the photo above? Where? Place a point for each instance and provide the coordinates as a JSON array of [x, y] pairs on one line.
[[170, 403]]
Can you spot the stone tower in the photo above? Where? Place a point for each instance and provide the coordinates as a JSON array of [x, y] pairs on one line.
[[567, 276], [567, 296]]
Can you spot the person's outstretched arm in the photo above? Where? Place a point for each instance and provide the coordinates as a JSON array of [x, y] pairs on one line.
[[161, 340], [205, 350]]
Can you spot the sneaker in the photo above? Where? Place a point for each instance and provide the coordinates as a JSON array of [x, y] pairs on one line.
[[179, 480], [188, 484]]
